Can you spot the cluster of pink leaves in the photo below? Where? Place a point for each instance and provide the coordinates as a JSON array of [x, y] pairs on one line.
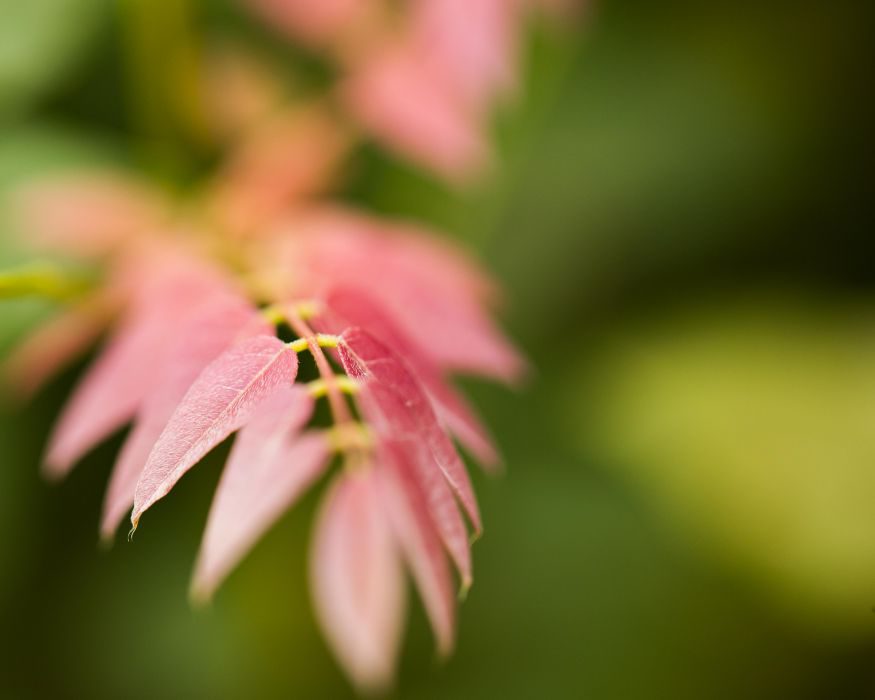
[[191, 359], [193, 297], [420, 75]]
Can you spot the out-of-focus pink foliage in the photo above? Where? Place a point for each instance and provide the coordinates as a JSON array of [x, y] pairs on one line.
[[316, 23], [440, 302], [87, 215], [292, 156], [421, 76], [197, 295], [357, 579]]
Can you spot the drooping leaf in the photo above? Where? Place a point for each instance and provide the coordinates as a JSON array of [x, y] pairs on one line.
[[220, 402], [366, 358], [209, 330], [356, 579], [271, 465], [408, 454], [407, 510]]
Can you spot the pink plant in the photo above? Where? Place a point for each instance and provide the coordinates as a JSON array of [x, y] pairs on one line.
[[200, 299], [420, 76], [387, 311]]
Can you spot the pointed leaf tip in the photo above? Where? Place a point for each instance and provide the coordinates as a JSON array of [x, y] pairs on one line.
[[220, 402], [211, 328], [270, 467]]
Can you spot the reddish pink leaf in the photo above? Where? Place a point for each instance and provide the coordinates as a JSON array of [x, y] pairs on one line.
[[409, 455], [348, 307], [407, 509], [356, 579], [220, 402], [209, 330], [411, 416], [270, 466], [126, 371]]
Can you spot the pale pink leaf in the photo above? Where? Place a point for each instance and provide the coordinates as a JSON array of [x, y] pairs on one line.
[[86, 214], [53, 346], [269, 468], [473, 45], [348, 307], [288, 158], [408, 514], [220, 402], [126, 371], [356, 579], [400, 98], [210, 329], [366, 358]]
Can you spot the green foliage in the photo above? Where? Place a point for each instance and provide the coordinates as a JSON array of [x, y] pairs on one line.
[[749, 425], [41, 41], [29, 152]]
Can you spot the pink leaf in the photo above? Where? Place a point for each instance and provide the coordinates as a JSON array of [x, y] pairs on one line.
[[291, 157], [126, 371], [366, 358], [357, 583], [473, 45], [219, 402], [348, 307], [399, 97], [270, 466], [86, 214], [210, 329], [53, 346], [409, 455], [407, 509]]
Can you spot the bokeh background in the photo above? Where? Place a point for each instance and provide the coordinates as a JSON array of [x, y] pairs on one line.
[[683, 221]]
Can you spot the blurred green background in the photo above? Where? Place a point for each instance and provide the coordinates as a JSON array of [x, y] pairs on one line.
[[682, 220]]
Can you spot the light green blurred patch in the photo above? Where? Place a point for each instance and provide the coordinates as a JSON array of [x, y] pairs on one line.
[[750, 425], [28, 153], [40, 42]]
